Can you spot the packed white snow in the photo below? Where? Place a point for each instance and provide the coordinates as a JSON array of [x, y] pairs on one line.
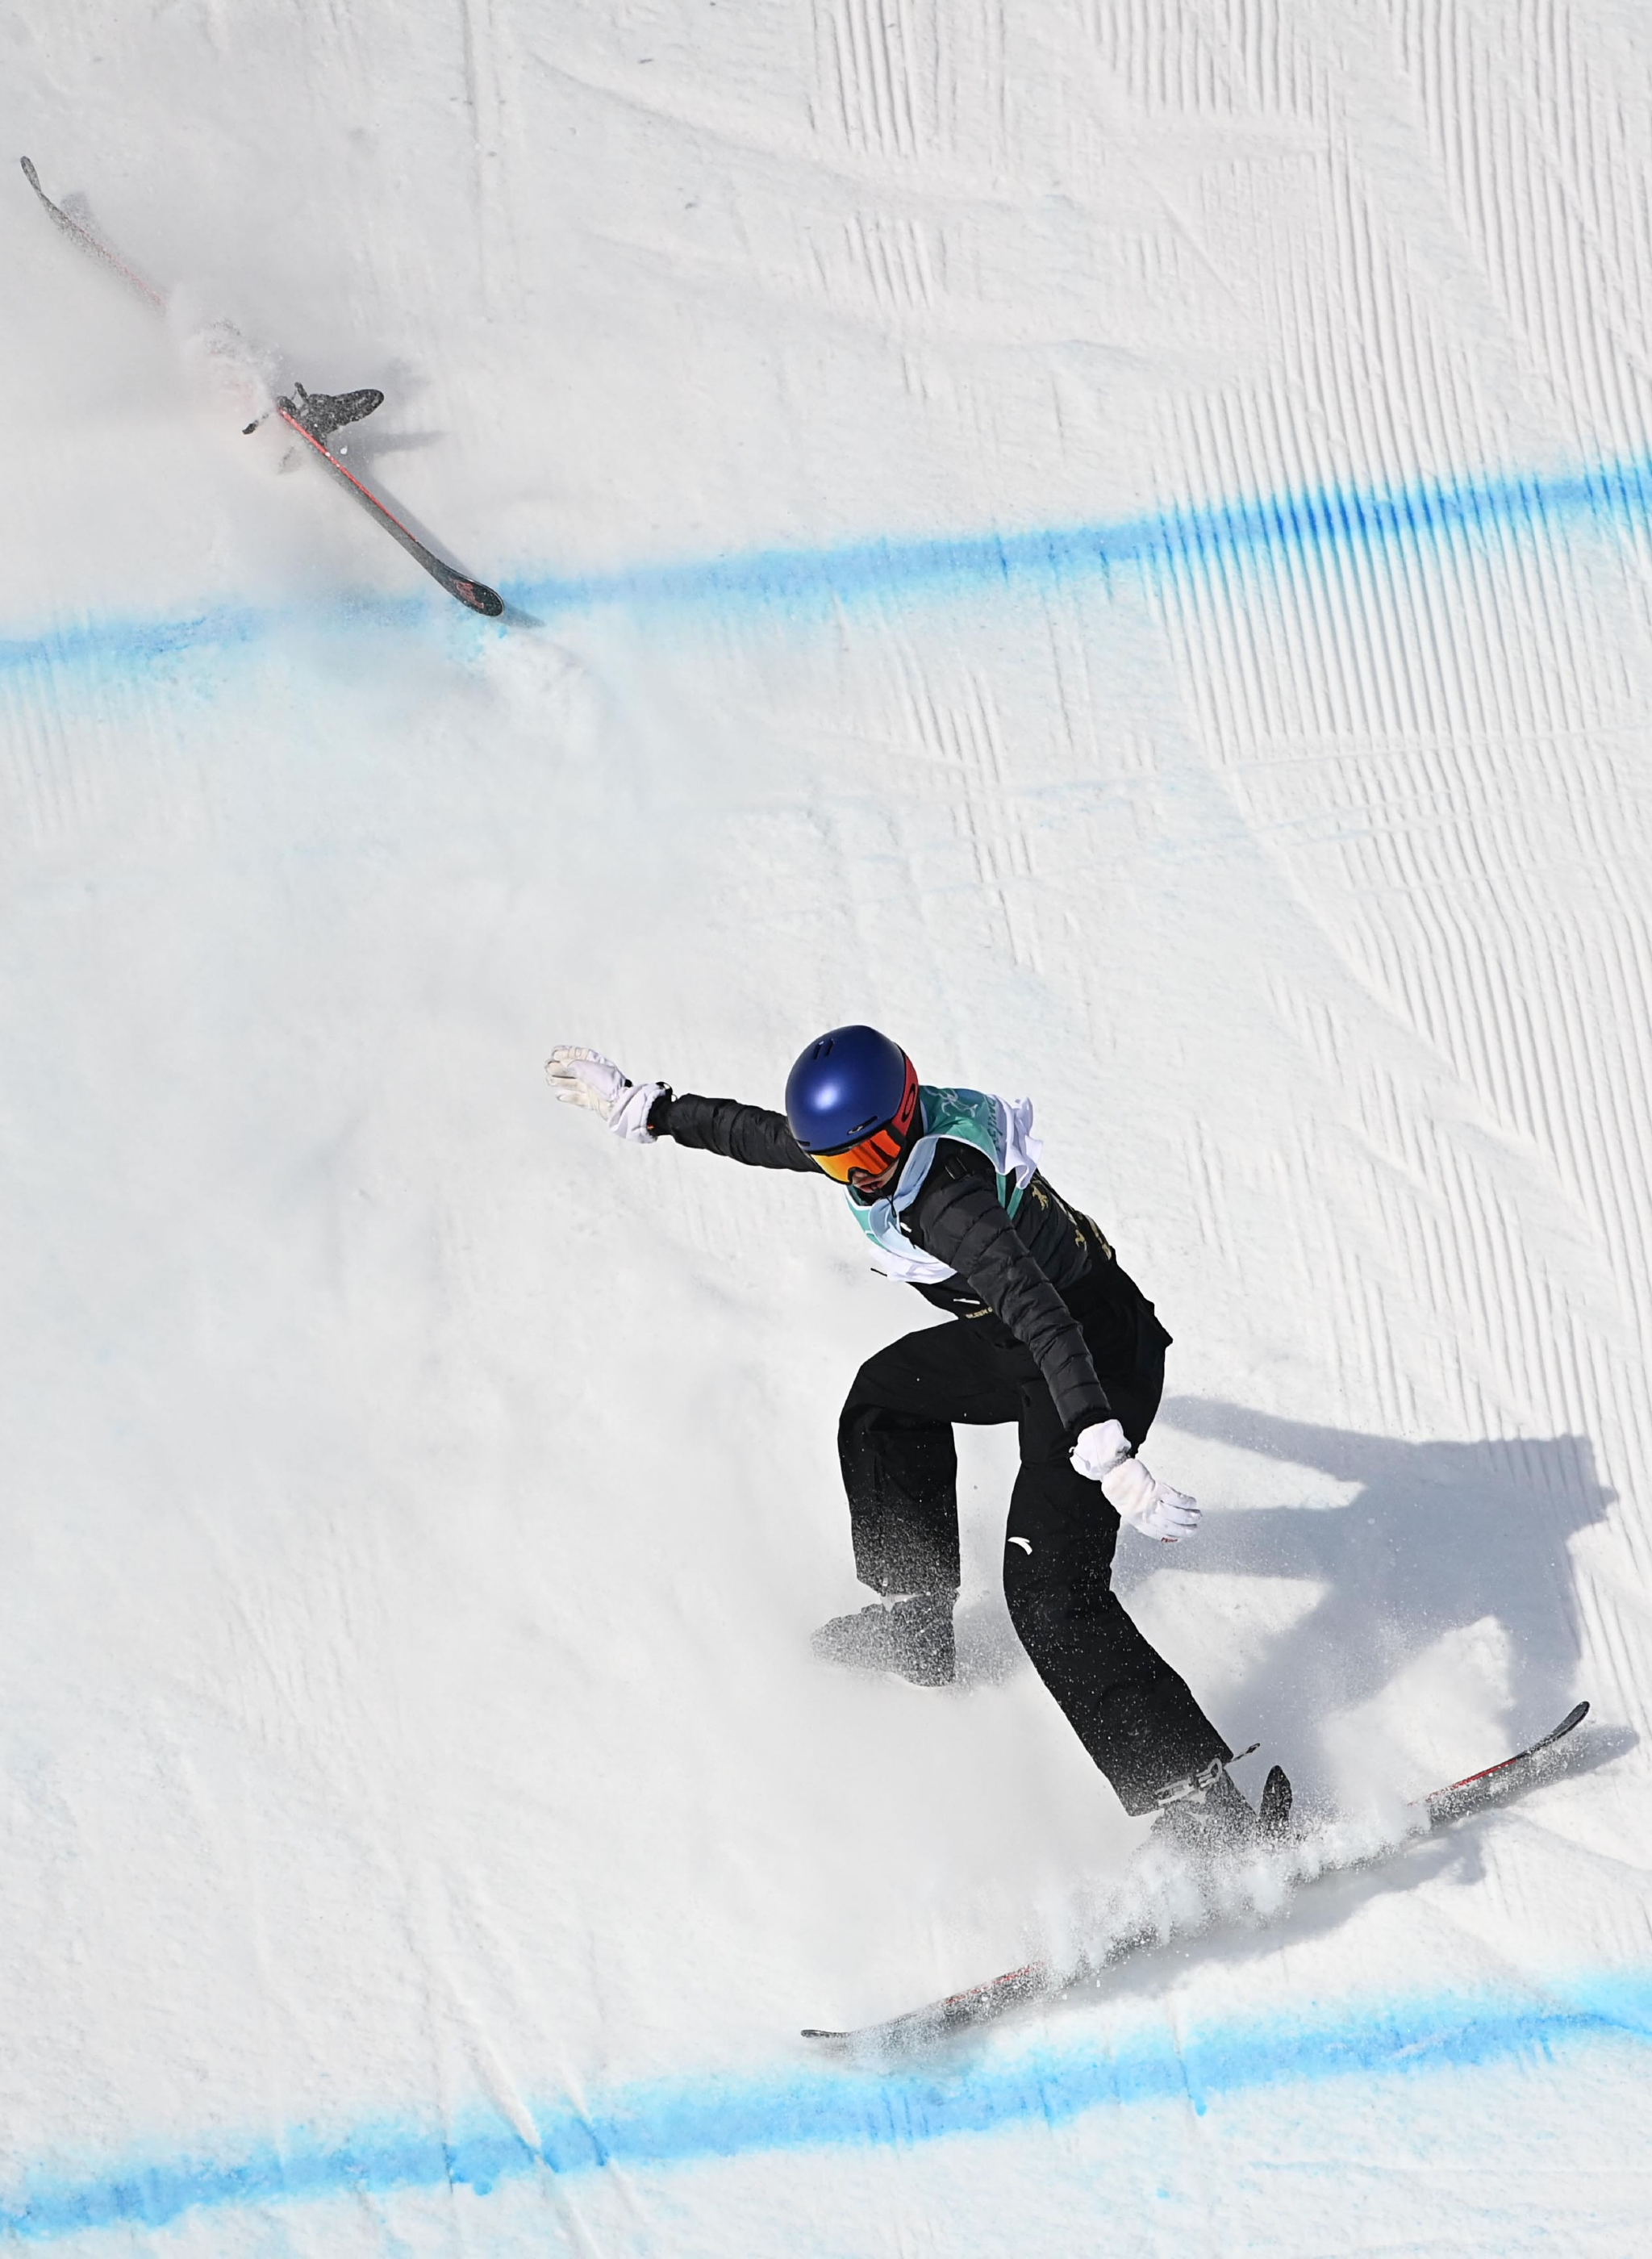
[[423, 1828]]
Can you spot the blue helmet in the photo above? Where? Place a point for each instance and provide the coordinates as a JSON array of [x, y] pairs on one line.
[[851, 1100]]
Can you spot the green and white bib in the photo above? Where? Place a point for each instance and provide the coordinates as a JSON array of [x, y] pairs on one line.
[[1001, 1128]]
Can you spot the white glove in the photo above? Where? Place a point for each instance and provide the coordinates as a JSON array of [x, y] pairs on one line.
[[585, 1078], [1102, 1454], [1149, 1505], [1098, 1450]]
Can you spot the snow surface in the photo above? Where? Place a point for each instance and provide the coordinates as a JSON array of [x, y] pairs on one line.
[[1112, 538]]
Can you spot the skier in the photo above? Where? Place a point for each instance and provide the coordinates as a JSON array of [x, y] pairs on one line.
[[1049, 1332]]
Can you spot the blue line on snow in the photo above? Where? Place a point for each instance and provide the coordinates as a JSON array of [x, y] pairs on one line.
[[675, 2122], [803, 580], [1330, 517]]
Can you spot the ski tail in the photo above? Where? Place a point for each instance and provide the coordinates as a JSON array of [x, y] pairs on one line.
[[1275, 1812]]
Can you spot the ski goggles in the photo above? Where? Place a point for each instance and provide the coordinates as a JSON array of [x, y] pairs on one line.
[[873, 1156]]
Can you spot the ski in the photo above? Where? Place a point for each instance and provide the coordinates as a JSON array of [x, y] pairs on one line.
[[312, 416], [927, 2027]]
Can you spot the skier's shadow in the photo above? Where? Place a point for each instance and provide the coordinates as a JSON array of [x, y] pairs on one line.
[[1437, 1537]]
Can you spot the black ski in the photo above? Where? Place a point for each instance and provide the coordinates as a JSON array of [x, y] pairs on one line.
[[1040, 1980], [313, 416]]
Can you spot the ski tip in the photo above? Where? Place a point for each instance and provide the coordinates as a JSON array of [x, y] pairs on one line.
[[29, 175], [479, 596], [1572, 1719]]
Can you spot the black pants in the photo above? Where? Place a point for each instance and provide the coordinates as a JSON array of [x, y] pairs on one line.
[[1135, 1715]]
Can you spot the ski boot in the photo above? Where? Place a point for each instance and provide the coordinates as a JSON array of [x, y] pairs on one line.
[[912, 1637], [1205, 1816]]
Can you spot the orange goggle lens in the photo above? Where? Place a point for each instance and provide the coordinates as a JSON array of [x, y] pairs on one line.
[[870, 1157]]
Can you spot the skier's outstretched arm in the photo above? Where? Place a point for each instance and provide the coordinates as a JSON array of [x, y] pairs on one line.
[[752, 1134], [642, 1112], [958, 1218]]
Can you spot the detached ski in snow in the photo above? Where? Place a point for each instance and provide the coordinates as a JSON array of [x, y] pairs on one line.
[[1038, 1980], [313, 416]]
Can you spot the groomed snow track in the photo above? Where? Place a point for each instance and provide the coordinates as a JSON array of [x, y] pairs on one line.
[[1111, 539]]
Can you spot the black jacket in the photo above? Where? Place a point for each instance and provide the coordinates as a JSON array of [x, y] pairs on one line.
[[1048, 1275]]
